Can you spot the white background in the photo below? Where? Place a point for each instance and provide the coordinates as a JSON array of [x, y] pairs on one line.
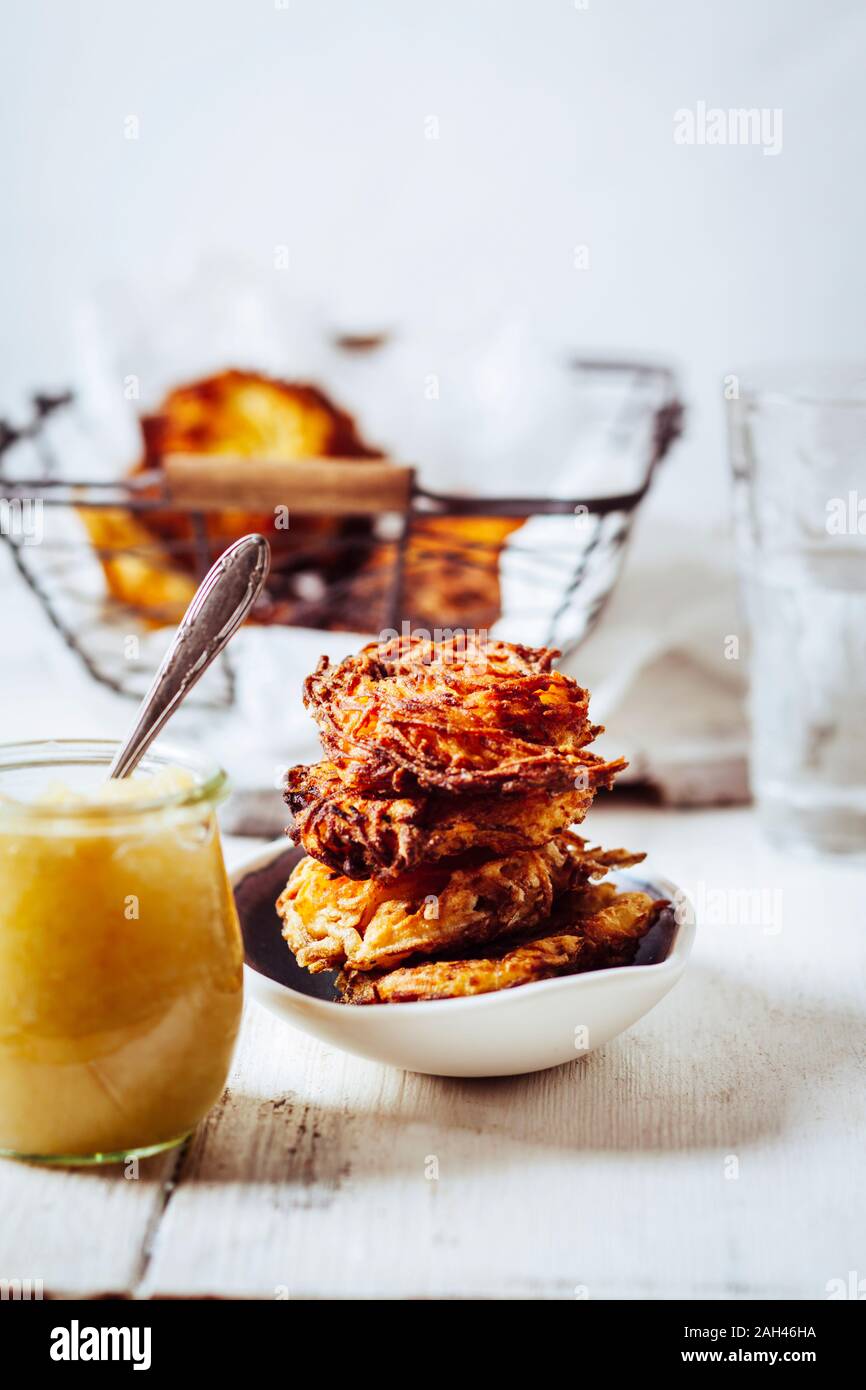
[[305, 127]]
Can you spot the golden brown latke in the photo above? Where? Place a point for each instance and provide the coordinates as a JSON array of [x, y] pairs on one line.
[[447, 716], [382, 837], [596, 930], [329, 920], [449, 572], [450, 565], [149, 558]]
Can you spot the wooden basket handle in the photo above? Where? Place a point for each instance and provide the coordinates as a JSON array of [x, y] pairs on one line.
[[339, 487]]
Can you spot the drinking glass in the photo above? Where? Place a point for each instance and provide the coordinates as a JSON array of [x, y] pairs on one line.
[[798, 446]]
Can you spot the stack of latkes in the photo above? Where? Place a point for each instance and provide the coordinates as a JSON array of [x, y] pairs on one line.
[[440, 859]]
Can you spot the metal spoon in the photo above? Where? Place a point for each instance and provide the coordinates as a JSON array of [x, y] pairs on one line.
[[221, 602]]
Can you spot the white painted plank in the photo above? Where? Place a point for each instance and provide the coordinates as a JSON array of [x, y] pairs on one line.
[[79, 1231]]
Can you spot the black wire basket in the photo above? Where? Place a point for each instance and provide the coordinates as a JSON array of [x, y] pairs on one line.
[[536, 569]]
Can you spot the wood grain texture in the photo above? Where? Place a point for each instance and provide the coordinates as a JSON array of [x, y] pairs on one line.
[[80, 1231], [338, 486], [610, 1177]]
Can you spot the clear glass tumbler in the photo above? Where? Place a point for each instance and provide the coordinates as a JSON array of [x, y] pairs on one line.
[[798, 446], [120, 953]]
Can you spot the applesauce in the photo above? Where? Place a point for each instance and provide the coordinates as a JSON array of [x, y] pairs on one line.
[[120, 952]]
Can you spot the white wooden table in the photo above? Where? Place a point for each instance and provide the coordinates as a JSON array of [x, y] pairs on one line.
[[714, 1151]]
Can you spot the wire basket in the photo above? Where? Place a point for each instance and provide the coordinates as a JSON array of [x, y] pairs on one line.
[[534, 569]]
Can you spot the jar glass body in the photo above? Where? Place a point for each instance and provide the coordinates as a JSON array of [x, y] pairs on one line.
[[121, 964]]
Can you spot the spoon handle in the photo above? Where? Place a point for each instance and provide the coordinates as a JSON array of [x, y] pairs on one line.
[[221, 602]]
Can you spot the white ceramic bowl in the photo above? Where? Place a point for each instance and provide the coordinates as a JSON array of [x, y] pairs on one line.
[[501, 1034]]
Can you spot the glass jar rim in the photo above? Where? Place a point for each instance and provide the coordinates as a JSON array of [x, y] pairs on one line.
[[833, 385], [210, 786]]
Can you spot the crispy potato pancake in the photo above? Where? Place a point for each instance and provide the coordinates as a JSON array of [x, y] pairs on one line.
[[138, 572], [249, 415], [253, 416], [450, 716], [602, 930], [330, 920], [150, 559], [383, 837], [449, 573], [450, 565]]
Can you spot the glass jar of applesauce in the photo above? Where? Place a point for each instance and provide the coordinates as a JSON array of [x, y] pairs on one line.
[[120, 952]]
